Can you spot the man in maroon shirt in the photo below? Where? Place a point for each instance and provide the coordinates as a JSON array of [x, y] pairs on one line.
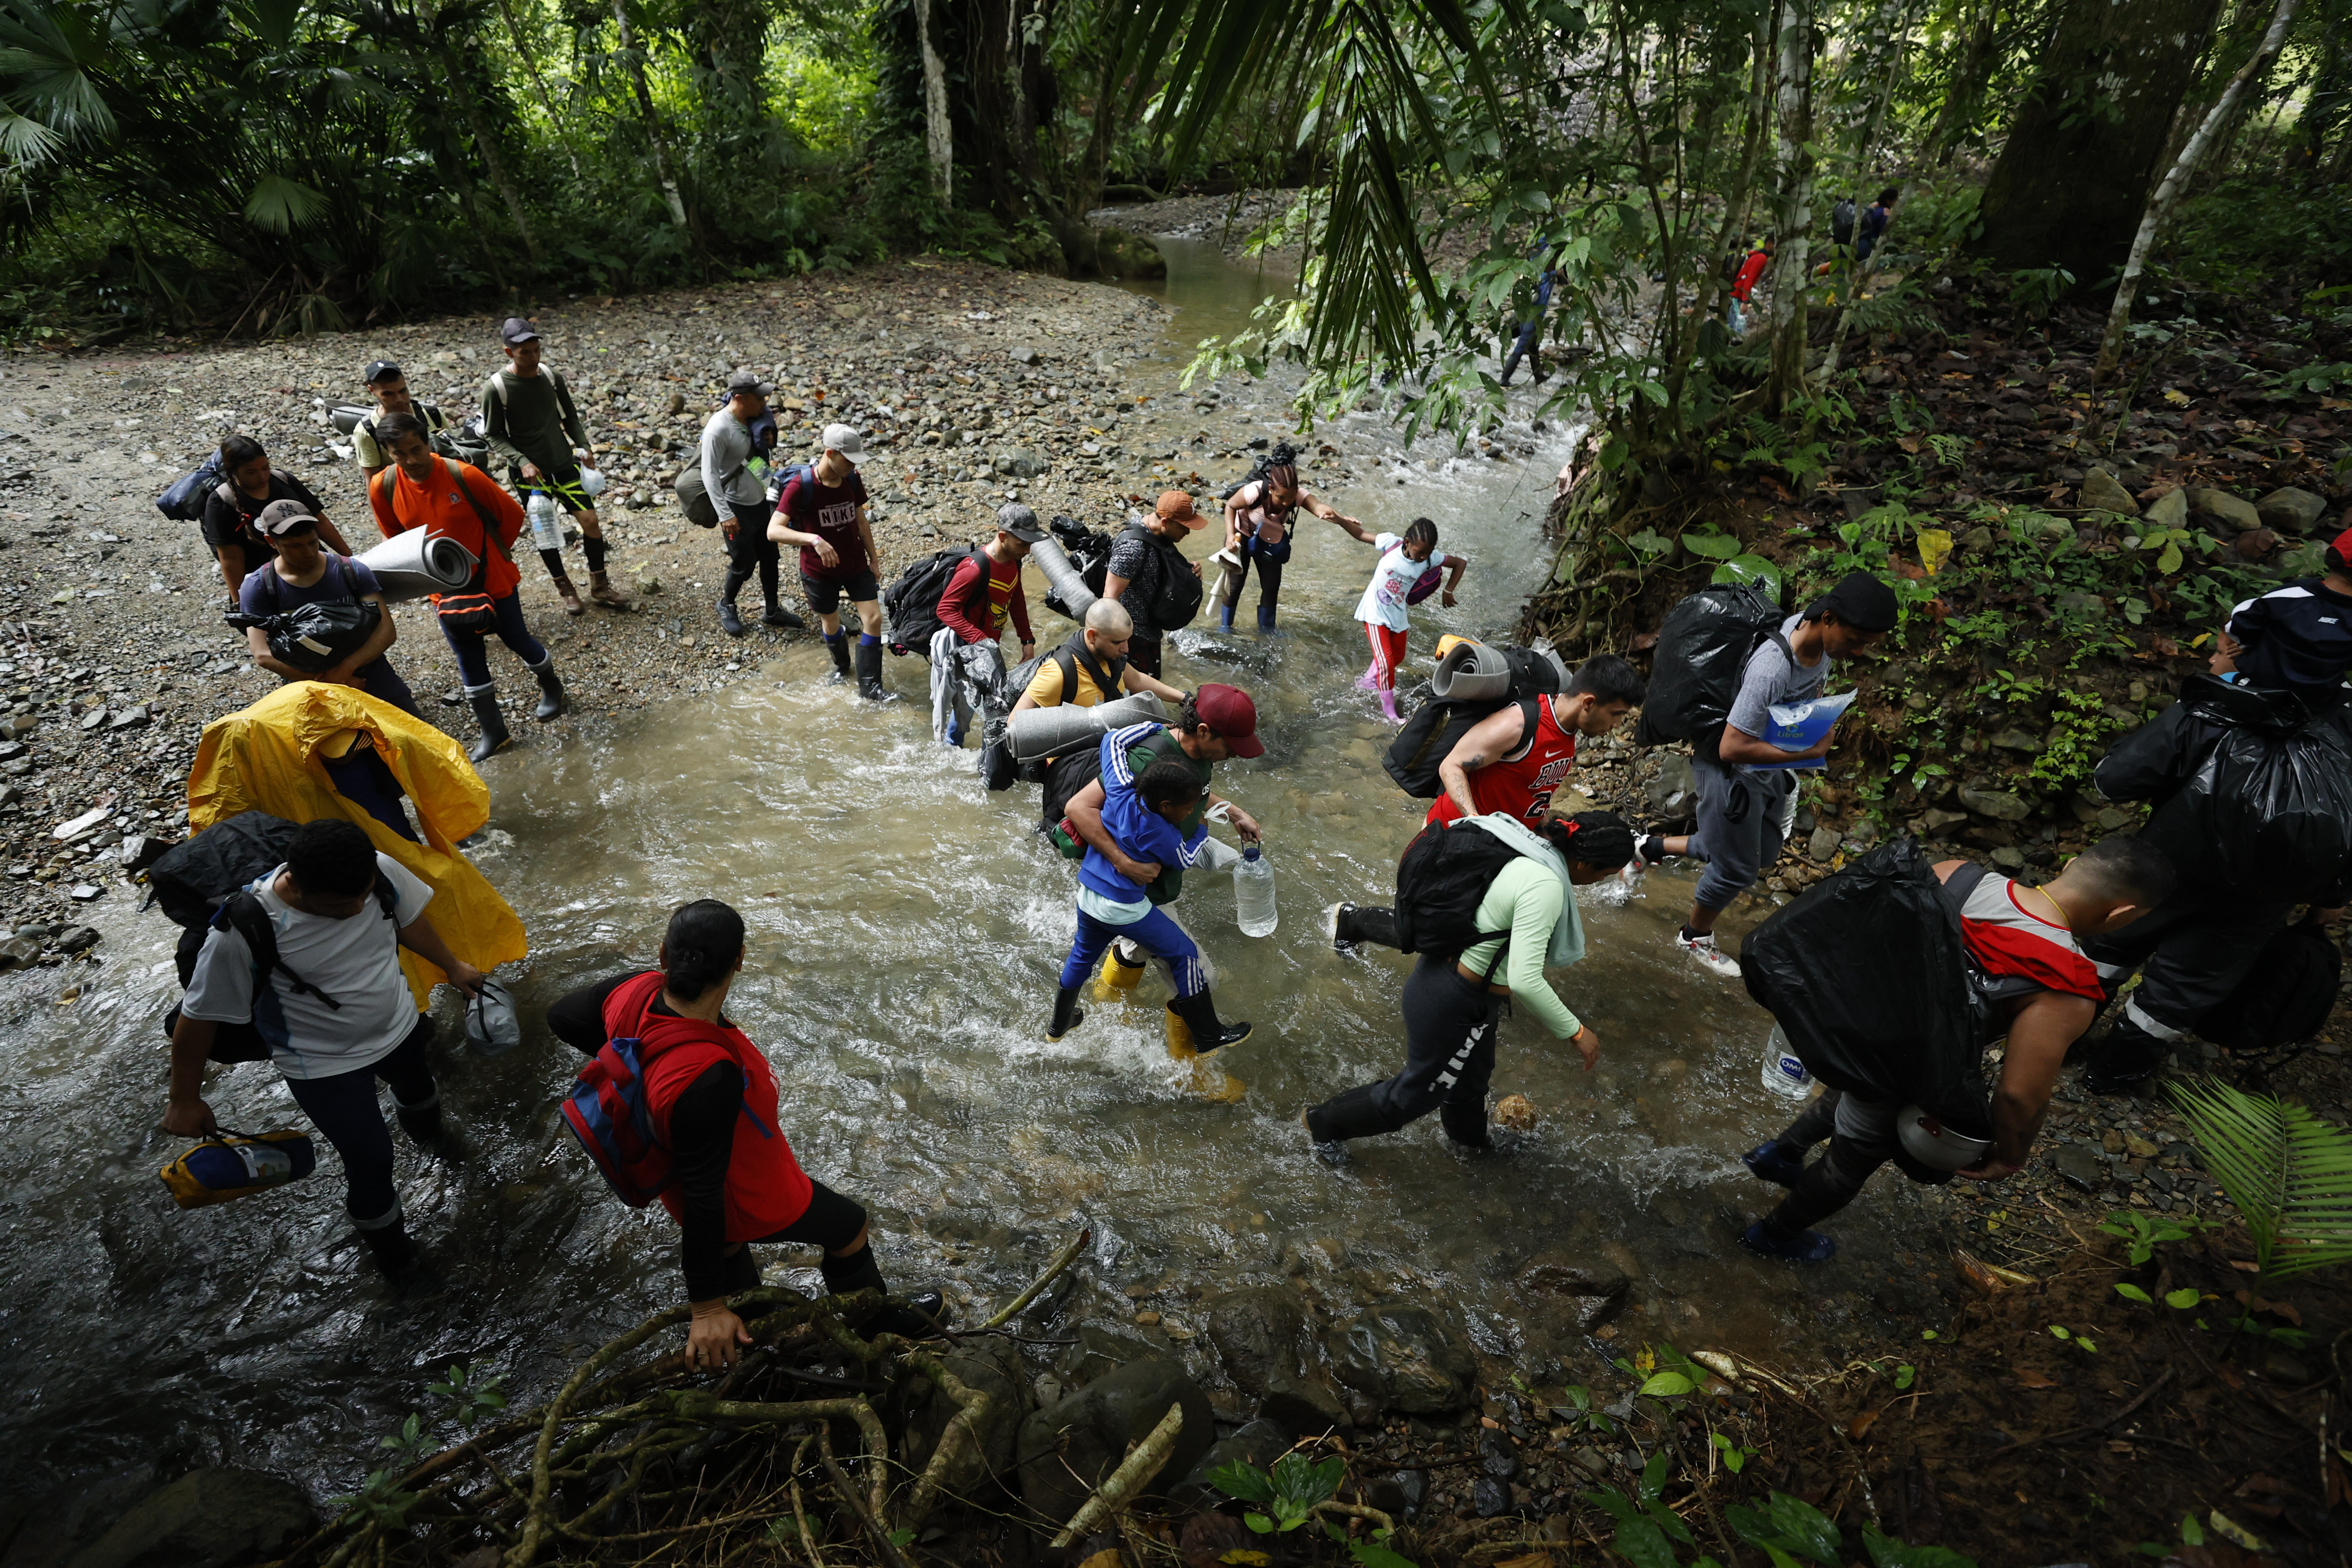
[[982, 590], [823, 512]]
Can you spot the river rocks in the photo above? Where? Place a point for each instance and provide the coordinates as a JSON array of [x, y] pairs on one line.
[[2083, 1171], [992, 1367], [2170, 509], [2290, 510], [1099, 1350], [2221, 507], [2018, 740], [1402, 1358], [1258, 1444], [207, 1519], [1022, 353], [1936, 819], [1260, 1334], [1999, 804], [2102, 491], [1588, 1290], [1823, 845], [1067, 1449], [1119, 254]]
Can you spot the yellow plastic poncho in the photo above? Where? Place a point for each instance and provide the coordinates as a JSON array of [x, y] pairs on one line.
[[267, 758]]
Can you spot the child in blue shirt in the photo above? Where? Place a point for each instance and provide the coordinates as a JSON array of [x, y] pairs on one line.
[[1142, 820]]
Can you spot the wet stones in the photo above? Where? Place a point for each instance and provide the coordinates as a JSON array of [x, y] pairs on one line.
[[1673, 792], [1260, 1334], [1257, 1443], [1587, 1290], [207, 1519], [1402, 1358], [1066, 1449]]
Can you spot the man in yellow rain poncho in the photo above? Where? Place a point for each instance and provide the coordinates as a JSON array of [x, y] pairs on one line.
[[313, 750]]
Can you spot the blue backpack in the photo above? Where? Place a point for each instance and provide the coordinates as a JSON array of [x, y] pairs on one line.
[[609, 1113], [185, 501]]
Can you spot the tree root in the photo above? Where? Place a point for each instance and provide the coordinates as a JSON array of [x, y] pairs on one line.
[[1121, 1486]]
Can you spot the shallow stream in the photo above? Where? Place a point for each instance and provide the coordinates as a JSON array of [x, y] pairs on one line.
[[906, 929]]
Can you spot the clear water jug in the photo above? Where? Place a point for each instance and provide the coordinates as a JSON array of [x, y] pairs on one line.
[[546, 522], [1253, 893], [1784, 1074]]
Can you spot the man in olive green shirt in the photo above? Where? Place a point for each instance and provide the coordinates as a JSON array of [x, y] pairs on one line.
[[532, 427]]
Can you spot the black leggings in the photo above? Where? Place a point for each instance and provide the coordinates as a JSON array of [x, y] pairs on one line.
[[751, 550], [1449, 1057], [830, 1221], [1863, 1137], [344, 1108]]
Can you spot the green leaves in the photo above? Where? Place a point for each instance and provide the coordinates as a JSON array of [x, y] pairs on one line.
[[1887, 1553], [2288, 1171], [1666, 1385], [1788, 1530], [2183, 1299], [281, 206], [1288, 1494], [2131, 1292]]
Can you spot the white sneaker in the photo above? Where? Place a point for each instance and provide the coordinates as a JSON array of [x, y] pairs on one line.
[[1703, 949]]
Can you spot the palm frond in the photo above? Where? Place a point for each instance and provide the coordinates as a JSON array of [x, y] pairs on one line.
[[24, 140], [281, 206], [2288, 1171]]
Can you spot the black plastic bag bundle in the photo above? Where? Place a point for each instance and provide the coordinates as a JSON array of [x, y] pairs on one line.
[[317, 636], [2254, 788], [1868, 975], [194, 874], [1702, 652]]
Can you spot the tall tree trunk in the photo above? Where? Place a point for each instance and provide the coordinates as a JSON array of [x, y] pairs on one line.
[[1964, 88], [1792, 258], [653, 122], [938, 128], [485, 142], [1854, 276], [2073, 178], [2167, 195], [1712, 289], [546, 94]]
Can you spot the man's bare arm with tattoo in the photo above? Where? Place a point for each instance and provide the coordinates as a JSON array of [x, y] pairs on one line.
[[1490, 740]]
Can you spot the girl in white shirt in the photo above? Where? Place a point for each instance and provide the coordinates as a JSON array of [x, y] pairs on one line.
[[1407, 573]]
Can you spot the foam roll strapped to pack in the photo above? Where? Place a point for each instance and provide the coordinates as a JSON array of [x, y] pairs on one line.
[[1478, 672], [413, 564], [1070, 594], [229, 1165], [1035, 732]]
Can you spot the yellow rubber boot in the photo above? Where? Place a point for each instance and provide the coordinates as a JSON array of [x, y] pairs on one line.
[[1114, 981], [1208, 1081], [1179, 1037]]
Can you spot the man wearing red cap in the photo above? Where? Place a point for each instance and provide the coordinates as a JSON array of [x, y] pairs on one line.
[[1149, 575]]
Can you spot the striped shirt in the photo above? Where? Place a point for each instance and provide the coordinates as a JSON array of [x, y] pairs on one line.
[[2022, 952]]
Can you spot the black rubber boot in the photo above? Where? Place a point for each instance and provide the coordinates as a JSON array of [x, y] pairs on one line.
[[776, 616], [1067, 1014], [422, 1122], [395, 1252], [923, 1318], [1467, 1126], [1353, 1113], [494, 736], [839, 648], [730, 621], [869, 673], [1198, 1015], [2122, 1058], [1352, 926], [739, 1272], [551, 691]]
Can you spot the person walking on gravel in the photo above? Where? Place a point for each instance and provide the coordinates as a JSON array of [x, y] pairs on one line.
[[388, 384], [230, 511], [734, 473], [529, 421], [822, 513], [458, 500], [306, 572]]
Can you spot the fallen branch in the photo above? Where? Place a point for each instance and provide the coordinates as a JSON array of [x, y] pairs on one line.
[[1122, 1485], [884, 1547], [1061, 1260], [2073, 1432]]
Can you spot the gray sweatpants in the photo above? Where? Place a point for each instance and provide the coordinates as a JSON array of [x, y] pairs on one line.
[[1740, 828]]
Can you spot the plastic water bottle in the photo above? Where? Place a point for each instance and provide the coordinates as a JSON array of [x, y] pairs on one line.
[[1253, 893], [546, 522], [1784, 1074]]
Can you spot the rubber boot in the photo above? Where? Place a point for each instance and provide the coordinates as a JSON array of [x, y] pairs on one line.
[[924, 1317], [422, 1122], [1116, 977], [1353, 925], [1353, 1113], [1370, 680], [601, 589], [571, 596], [837, 645], [484, 699], [1389, 707], [739, 1272], [869, 673], [1194, 1030], [551, 690], [1067, 1014], [783, 619], [1266, 626], [1467, 1125], [730, 621], [2122, 1058], [395, 1251]]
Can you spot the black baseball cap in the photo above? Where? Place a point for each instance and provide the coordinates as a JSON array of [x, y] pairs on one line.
[[384, 370], [744, 381], [1861, 601], [1018, 521], [516, 329]]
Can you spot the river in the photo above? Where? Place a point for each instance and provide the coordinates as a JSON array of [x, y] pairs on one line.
[[906, 929]]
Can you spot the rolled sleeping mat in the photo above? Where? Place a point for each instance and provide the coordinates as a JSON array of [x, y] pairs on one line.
[[413, 564], [1035, 732], [1471, 672], [1063, 578]]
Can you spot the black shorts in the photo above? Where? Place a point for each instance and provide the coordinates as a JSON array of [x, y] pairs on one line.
[[825, 598], [830, 1221], [561, 480]]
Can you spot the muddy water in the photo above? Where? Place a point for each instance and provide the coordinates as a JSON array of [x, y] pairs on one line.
[[907, 928]]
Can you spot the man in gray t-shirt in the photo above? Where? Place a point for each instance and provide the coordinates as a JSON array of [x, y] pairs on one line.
[[1743, 810]]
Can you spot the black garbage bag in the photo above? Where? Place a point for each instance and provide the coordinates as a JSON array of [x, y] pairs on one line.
[[1702, 652], [1089, 552], [2285, 997], [1869, 977], [2252, 789], [194, 874], [317, 636]]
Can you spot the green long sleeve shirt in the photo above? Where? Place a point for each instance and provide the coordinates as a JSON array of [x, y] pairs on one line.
[[1527, 898], [531, 419]]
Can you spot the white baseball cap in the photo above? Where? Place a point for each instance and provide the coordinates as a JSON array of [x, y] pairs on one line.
[[841, 438]]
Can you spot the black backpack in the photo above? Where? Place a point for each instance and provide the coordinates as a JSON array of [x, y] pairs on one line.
[[2285, 997], [184, 500], [1175, 597], [1702, 653], [1842, 221], [200, 883], [1444, 872], [912, 601], [1437, 727]]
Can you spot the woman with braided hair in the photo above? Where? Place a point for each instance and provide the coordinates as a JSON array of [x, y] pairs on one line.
[[1258, 518], [1454, 1001]]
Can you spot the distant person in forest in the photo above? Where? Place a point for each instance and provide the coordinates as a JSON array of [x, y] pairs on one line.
[[1743, 285], [713, 1100], [532, 427], [1746, 796], [1874, 219], [2294, 638], [230, 511], [1531, 330], [388, 384]]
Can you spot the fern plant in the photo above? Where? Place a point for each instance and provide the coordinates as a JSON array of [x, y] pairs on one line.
[[2288, 1171]]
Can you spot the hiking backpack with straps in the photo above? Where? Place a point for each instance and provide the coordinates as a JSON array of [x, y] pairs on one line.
[[1702, 655], [184, 500], [1437, 725], [1442, 878], [469, 609], [912, 601], [611, 1113]]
